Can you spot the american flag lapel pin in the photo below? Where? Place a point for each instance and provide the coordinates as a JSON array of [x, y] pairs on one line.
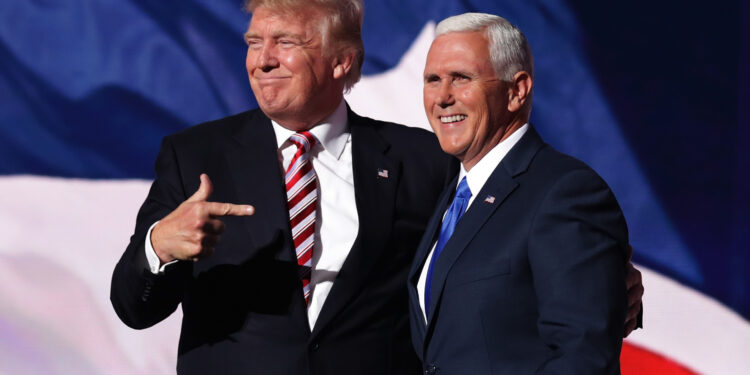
[[382, 173], [490, 199]]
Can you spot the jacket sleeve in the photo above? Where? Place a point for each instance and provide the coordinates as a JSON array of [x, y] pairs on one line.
[[139, 297], [577, 252]]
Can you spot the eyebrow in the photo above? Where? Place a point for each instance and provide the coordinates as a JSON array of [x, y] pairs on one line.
[[452, 73], [278, 35], [461, 73]]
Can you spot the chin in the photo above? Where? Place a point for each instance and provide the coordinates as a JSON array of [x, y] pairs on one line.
[[451, 149], [273, 107]]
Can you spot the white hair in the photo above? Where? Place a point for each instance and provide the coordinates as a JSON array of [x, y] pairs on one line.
[[509, 51]]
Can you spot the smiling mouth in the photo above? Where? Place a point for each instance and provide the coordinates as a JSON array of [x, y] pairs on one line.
[[452, 119], [269, 79]]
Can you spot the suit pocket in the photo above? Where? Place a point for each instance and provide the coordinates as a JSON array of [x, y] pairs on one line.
[[464, 274]]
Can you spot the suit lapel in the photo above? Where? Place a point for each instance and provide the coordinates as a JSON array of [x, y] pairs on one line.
[[376, 177], [252, 156], [257, 177], [425, 244], [431, 230], [498, 187]]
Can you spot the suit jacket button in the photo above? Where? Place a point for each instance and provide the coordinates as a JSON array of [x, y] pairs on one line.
[[430, 370], [315, 346]]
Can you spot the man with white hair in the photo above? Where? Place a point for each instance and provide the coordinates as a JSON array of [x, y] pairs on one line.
[[522, 266]]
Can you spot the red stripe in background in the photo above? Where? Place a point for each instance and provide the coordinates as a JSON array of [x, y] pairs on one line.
[[635, 360]]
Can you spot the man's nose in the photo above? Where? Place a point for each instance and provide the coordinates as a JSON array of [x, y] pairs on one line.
[[445, 95], [267, 60]]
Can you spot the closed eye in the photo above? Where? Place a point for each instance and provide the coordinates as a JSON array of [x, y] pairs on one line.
[[460, 77], [431, 78]]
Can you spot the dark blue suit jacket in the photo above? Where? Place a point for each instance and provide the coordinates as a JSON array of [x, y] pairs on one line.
[[243, 310], [530, 282]]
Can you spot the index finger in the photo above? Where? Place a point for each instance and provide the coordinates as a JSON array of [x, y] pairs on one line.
[[229, 209]]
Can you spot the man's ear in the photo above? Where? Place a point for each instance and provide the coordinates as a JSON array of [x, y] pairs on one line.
[[342, 64], [519, 91]]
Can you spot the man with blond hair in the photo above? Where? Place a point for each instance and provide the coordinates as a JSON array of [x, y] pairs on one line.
[[326, 210]]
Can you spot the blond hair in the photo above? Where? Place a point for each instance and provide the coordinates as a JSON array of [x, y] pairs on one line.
[[341, 27]]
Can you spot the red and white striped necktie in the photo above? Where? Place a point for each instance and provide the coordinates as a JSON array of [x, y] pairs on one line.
[[302, 196]]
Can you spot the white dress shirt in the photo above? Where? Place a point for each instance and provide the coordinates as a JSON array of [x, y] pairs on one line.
[[336, 223], [475, 178]]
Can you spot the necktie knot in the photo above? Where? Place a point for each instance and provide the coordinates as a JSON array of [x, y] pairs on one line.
[[463, 191], [303, 140]]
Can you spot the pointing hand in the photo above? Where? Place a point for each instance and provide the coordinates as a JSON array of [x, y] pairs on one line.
[[193, 229]]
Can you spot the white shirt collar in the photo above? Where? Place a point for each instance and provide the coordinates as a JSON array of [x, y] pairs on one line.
[[332, 133], [482, 170]]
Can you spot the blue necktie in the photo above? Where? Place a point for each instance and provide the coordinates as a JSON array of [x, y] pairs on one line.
[[455, 211]]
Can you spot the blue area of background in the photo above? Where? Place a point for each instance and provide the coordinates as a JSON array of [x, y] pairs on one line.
[[89, 87]]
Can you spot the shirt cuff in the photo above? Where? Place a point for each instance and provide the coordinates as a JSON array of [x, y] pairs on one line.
[[154, 264]]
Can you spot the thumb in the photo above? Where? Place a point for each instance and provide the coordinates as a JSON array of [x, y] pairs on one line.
[[204, 191]]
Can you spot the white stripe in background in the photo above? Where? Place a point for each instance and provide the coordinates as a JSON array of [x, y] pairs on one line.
[[691, 328], [59, 242]]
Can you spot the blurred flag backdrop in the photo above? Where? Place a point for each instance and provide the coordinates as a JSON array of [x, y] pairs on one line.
[[655, 96]]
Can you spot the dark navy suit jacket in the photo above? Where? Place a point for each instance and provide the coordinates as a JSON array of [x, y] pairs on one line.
[[532, 280], [243, 310]]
